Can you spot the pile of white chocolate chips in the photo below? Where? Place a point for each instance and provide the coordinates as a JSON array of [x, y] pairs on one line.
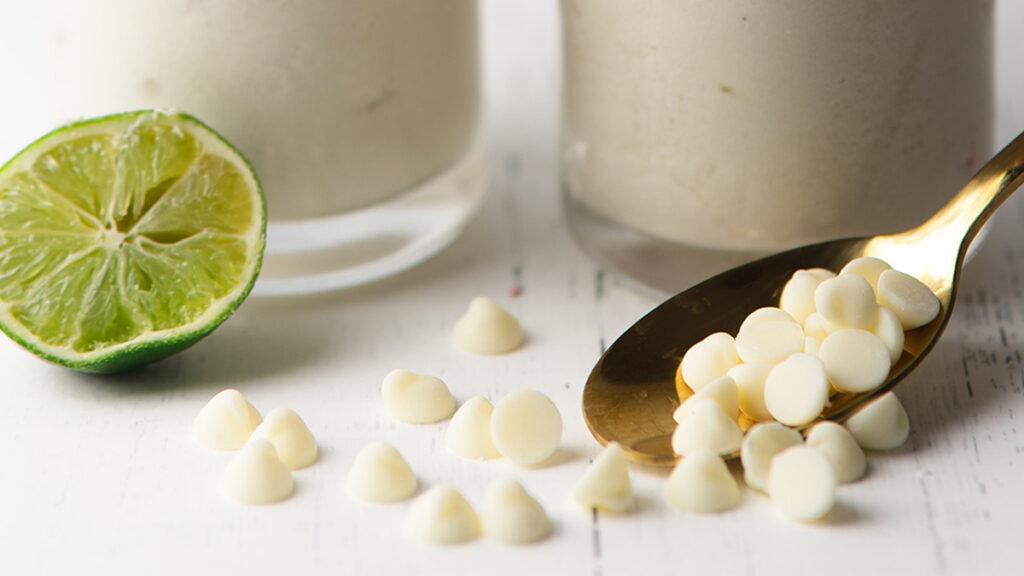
[[831, 333], [524, 427]]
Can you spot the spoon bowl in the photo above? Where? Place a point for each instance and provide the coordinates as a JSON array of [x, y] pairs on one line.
[[631, 393]]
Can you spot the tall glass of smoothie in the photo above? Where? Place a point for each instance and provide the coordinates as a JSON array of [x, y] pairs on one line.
[[360, 116], [701, 133]]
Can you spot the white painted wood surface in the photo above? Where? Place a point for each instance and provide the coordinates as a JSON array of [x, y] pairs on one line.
[[99, 476]]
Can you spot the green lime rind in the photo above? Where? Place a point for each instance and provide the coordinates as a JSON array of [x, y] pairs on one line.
[[155, 344]]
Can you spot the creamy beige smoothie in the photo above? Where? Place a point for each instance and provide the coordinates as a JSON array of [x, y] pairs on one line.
[[338, 103], [752, 125]]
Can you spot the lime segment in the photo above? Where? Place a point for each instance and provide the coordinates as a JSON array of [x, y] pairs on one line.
[[125, 239]]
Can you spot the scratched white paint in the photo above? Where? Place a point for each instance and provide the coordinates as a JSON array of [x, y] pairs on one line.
[[98, 475]]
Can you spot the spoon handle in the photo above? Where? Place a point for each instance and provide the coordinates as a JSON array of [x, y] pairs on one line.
[[963, 217]]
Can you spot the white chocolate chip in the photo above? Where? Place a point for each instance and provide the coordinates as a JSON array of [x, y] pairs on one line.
[[802, 483], [469, 433], [415, 398], [847, 301], [841, 449], [682, 410], [487, 329], [256, 475], [890, 331], [769, 341], [749, 380], [796, 391], [380, 474], [511, 515], [706, 427], [526, 427], [855, 360], [708, 360], [226, 422], [442, 517], [798, 295], [767, 313], [881, 425], [912, 302], [762, 442], [606, 485], [867, 268], [817, 327], [723, 391], [820, 273], [290, 436], [701, 484]]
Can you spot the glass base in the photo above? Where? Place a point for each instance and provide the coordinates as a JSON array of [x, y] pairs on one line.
[[655, 266], [362, 246], [658, 267]]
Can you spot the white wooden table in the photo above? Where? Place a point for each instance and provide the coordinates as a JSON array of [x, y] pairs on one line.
[[99, 476]]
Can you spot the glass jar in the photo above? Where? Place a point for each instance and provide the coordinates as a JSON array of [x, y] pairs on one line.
[[355, 113], [701, 133]]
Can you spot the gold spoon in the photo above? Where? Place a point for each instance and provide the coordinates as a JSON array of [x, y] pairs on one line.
[[631, 393]]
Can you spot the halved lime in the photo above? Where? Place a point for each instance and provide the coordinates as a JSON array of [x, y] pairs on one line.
[[125, 239]]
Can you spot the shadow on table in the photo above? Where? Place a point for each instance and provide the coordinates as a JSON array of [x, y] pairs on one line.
[[843, 514], [263, 341]]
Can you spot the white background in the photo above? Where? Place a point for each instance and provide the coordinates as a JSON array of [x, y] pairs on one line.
[[99, 475]]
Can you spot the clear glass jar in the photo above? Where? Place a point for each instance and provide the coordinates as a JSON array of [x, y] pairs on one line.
[[355, 113], [701, 133]]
